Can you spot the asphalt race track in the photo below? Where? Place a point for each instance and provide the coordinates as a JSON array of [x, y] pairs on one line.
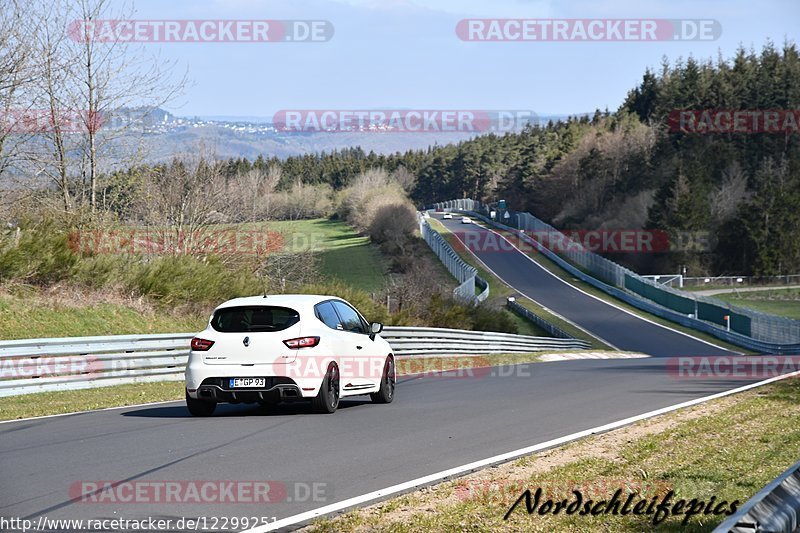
[[623, 330], [435, 423]]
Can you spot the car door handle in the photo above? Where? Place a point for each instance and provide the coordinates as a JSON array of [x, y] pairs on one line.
[[359, 347]]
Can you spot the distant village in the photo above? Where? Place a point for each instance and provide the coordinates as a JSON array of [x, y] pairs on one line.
[[158, 121]]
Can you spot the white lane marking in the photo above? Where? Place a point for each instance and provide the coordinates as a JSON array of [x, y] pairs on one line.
[[526, 256], [549, 358], [565, 319], [505, 457], [89, 411]]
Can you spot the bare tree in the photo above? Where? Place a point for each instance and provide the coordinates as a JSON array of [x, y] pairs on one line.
[[259, 187], [50, 153], [182, 200], [16, 73], [274, 175], [410, 291], [405, 178], [304, 200], [107, 76], [393, 225]]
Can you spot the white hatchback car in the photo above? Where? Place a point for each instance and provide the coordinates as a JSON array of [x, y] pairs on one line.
[[268, 349], [447, 216]]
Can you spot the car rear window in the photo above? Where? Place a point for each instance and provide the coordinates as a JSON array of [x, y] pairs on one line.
[[254, 318]]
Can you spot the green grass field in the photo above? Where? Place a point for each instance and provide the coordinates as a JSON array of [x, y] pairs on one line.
[[344, 255], [782, 302]]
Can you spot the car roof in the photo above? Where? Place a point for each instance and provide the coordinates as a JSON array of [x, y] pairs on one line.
[[298, 302]]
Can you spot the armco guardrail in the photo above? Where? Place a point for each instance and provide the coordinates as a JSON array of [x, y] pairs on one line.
[[38, 365], [466, 275], [72, 363], [686, 320], [775, 509], [440, 341], [555, 331]]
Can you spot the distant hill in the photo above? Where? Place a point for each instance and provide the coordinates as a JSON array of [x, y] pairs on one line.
[[164, 135]]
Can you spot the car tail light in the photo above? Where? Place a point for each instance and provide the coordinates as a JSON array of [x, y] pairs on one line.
[[301, 342], [201, 345]]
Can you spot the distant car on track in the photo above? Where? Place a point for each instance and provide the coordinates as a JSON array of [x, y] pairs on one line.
[[447, 216], [268, 349], [466, 220]]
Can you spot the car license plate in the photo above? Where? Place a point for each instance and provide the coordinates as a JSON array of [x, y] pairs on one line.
[[237, 383]]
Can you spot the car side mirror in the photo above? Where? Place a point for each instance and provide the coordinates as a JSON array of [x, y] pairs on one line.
[[374, 329]]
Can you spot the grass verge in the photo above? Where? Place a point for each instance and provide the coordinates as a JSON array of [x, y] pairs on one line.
[[728, 449], [55, 403]]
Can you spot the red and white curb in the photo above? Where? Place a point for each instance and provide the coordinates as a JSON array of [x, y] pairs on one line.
[[550, 357]]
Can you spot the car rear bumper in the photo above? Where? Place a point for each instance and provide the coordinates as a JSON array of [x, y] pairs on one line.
[[276, 389], [211, 382]]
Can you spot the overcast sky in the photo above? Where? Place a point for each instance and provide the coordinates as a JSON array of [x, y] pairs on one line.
[[389, 54]]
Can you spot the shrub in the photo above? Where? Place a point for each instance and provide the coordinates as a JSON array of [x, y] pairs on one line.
[[448, 313], [41, 255], [186, 279], [393, 225]]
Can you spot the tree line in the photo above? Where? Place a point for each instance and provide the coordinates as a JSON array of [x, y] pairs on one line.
[[623, 169], [630, 169]]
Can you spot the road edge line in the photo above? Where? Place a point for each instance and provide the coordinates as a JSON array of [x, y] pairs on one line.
[[502, 458]]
